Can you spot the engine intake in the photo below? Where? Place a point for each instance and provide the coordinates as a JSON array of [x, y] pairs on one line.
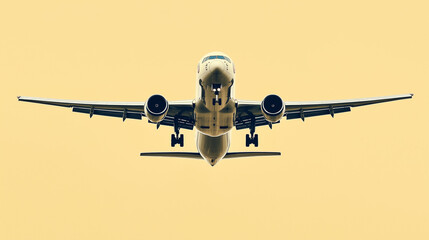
[[156, 108], [273, 108]]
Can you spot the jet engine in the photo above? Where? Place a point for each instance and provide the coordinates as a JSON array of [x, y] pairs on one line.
[[156, 108], [273, 108]]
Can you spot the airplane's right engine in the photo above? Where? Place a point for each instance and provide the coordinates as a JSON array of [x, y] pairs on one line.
[[272, 108], [156, 108]]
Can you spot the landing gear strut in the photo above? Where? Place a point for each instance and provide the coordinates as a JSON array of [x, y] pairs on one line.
[[176, 138], [252, 138], [216, 89]]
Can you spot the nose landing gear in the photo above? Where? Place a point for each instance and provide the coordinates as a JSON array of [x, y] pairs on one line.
[[217, 100], [216, 89]]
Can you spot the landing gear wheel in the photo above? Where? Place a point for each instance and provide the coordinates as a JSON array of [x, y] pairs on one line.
[[252, 140], [180, 140], [255, 140], [176, 139], [173, 140], [247, 140]]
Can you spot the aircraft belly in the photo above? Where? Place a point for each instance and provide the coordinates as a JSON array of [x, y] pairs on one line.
[[214, 122]]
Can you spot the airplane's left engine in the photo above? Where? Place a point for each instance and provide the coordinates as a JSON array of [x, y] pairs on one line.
[[272, 108], [156, 108]]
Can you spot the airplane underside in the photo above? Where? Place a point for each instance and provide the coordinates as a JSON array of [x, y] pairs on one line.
[[215, 111]]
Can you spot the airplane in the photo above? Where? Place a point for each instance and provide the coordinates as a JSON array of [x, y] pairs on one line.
[[214, 112]]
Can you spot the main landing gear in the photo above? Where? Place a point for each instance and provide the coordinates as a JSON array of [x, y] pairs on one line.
[[176, 138], [252, 138]]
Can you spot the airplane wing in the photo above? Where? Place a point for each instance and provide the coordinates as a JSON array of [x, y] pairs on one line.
[[248, 111], [180, 111]]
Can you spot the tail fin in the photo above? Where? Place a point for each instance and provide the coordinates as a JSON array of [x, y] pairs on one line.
[[196, 155]]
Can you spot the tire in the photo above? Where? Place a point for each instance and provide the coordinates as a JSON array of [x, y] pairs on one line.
[[181, 140], [173, 140], [247, 140], [255, 140]]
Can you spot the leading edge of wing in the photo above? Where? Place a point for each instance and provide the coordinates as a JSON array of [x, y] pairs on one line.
[[348, 102], [76, 103], [175, 106], [196, 155]]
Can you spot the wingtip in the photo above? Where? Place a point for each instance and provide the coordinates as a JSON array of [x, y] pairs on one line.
[[411, 94], [19, 98]]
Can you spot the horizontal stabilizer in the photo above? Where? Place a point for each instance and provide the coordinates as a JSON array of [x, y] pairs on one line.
[[173, 154], [196, 155], [251, 154]]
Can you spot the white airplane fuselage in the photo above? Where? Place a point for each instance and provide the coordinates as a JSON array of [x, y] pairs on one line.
[[215, 106]]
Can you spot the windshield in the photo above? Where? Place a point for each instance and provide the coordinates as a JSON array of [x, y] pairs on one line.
[[217, 57]]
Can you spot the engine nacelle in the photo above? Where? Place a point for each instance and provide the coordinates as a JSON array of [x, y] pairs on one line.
[[273, 108], [156, 108]]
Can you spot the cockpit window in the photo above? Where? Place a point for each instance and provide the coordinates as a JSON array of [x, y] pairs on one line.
[[216, 57]]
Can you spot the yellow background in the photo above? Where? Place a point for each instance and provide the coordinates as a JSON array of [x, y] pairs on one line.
[[361, 175]]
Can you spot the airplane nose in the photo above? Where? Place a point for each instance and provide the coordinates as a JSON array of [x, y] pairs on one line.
[[217, 66]]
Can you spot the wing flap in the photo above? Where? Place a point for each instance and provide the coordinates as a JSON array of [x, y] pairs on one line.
[[312, 113], [246, 122], [182, 122], [110, 113]]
